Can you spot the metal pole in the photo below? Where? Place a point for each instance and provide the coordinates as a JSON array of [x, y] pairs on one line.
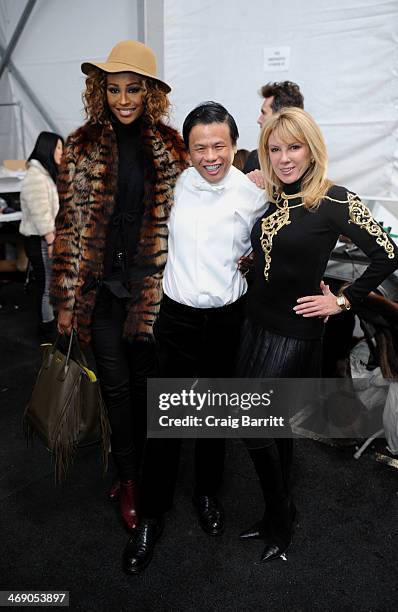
[[141, 21], [153, 26], [22, 130], [17, 33], [23, 144], [31, 94]]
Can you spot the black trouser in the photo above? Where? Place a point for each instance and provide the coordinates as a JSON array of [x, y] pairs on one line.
[[37, 252], [123, 369], [192, 342]]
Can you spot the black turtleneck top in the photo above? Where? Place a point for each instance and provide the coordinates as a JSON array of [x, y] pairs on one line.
[[125, 223], [292, 245]]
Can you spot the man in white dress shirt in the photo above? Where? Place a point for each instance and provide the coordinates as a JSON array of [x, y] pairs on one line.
[[215, 207]]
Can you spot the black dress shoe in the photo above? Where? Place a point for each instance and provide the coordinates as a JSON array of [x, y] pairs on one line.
[[139, 550], [211, 516]]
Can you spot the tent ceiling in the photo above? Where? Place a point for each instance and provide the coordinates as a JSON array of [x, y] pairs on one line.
[[343, 55]]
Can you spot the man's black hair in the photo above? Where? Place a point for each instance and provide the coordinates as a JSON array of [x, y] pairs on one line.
[[209, 112], [285, 93]]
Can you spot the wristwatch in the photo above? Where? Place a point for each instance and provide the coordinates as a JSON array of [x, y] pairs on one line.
[[342, 302]]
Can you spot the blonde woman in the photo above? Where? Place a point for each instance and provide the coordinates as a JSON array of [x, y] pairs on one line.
[[288, 302]]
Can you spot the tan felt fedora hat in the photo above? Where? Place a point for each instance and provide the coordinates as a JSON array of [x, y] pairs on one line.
[[129, 56]]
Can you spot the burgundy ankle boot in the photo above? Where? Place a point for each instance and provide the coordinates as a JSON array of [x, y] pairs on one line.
[[128, 503]]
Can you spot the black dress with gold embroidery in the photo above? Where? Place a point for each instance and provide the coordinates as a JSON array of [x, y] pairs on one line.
[[292, 246]]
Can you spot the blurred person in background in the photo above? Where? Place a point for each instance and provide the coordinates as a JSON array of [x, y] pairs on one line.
[[240, 158], [39, 206], [276, 96]]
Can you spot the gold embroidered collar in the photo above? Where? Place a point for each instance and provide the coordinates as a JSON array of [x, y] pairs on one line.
[[271, 225], [286, 197]]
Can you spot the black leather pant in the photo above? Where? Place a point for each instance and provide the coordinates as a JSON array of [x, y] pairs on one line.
[[123, 369], [192, 342]]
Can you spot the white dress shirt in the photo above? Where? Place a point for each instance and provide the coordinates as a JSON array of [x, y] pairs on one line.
[[209, 230]]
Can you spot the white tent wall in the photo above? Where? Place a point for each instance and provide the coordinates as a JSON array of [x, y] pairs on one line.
[[344, 56], [58, 36]]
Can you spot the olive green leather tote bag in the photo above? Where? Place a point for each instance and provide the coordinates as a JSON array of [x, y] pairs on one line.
[[66, 409]]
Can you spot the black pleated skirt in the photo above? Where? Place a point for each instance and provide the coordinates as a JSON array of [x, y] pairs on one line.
[[263, 354]]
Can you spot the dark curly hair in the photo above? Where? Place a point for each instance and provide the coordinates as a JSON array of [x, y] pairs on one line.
[[285, 93], [96, 106]]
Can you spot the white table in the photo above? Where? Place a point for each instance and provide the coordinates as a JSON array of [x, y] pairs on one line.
[[6, 218], [10, 184]]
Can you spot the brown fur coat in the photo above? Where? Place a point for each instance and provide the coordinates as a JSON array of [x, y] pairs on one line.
[[87, 185]]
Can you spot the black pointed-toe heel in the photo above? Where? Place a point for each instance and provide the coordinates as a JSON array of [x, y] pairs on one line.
[[274, 551], [259, 530], [256, 532], [280, 535]]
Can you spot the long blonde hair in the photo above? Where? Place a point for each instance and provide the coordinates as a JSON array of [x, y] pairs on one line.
[[295, 125]]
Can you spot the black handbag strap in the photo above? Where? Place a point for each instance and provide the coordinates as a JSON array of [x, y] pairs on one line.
[[49, 356], [59, 337], [72, 350], [79, 353], [73, 345]]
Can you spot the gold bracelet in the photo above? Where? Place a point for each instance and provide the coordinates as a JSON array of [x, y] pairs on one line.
[[342, 302]]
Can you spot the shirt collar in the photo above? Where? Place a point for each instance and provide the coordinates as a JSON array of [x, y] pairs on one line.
[[198, 182]]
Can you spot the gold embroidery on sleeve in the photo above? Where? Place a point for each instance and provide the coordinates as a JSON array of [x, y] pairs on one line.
[[361, 215], [271, 225]]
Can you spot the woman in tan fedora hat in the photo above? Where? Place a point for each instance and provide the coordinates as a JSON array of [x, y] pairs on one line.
[[116, 187]]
